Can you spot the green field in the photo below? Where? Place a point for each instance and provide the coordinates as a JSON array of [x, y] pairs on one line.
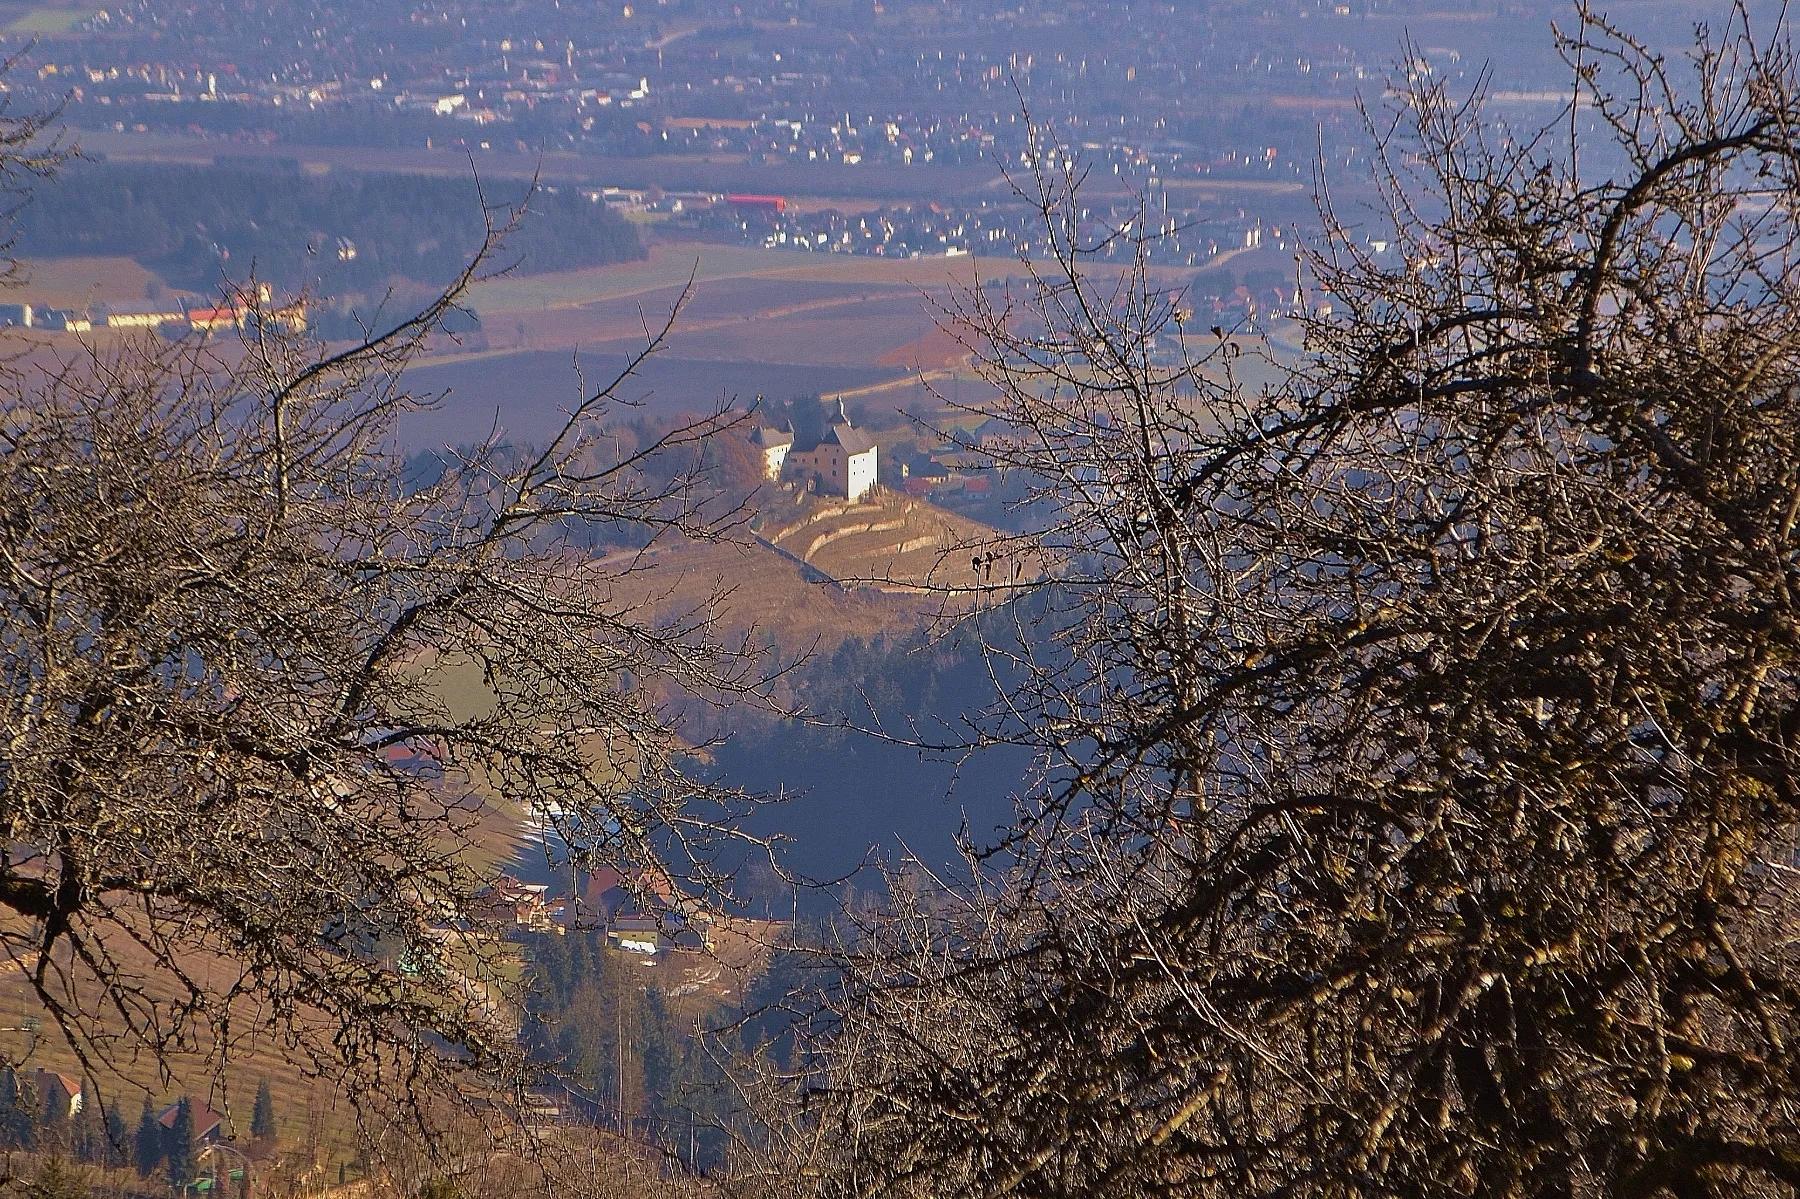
[[45, 18]]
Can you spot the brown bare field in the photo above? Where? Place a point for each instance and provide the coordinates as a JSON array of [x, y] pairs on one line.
[[524, 396], [668, 265], [671, 263], [783, 311], [714, 304], [934, 348], [724, 298], [78, 282], [303, 1107], [765, 593], [844, 333]]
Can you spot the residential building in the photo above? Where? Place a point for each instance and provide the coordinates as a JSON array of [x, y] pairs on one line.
[[636, 933], [524, 905], [209, 1126], [58, 1090], [224, 317]]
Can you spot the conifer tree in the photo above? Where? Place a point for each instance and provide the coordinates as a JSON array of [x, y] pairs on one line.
[[9, 1102], [262, 1117], [87, 1129], [117, 1144], [150, 1151], [180, 1145], [16, 1123], [53, 1131], [57, 1179]]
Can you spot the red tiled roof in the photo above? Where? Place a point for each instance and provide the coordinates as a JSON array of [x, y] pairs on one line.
[[205, 1119]]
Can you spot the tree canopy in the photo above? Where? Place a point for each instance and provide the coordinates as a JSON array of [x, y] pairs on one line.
[[273, 709], [1417, 733]]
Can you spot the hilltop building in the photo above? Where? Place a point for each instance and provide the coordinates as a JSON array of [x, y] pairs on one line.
[[774, 444], [842, 463]]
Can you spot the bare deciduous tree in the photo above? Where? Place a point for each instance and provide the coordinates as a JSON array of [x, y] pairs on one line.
[[275, 709], [1418, 731]]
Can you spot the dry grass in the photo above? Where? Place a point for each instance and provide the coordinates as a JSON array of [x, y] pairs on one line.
[[78, 282], [889, 542], [304, 1107], [671, 263], [759, 591]]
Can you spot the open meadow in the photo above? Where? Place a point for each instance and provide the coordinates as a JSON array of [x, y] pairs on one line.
[[79, 282], [672, 263], [37, 19], [757, 323], [308, 1111]]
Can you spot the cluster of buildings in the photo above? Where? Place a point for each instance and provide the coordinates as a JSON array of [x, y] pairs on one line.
[[65, 1095], [1148, 88], [1173, 233], [840, 463], [171, 316], [642, 913], [1215, 118]]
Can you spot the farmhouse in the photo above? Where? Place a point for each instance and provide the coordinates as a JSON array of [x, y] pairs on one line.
[[524, 905], [58, 1091], [841, 464], [209, 1126], [209, 318], [637, 932]]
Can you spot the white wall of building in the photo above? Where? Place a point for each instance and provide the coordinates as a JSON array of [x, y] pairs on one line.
[[862, 475]]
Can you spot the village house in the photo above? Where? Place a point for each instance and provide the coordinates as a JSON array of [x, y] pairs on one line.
[[635, 933], [58, 1091], [521, 904], [653, 932], [643, 913], [209, 1126], [206, 319]]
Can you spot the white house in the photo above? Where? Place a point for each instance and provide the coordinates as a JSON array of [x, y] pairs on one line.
[[841, 464]]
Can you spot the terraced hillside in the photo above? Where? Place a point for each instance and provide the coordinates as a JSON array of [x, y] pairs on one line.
[[888, 542]]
